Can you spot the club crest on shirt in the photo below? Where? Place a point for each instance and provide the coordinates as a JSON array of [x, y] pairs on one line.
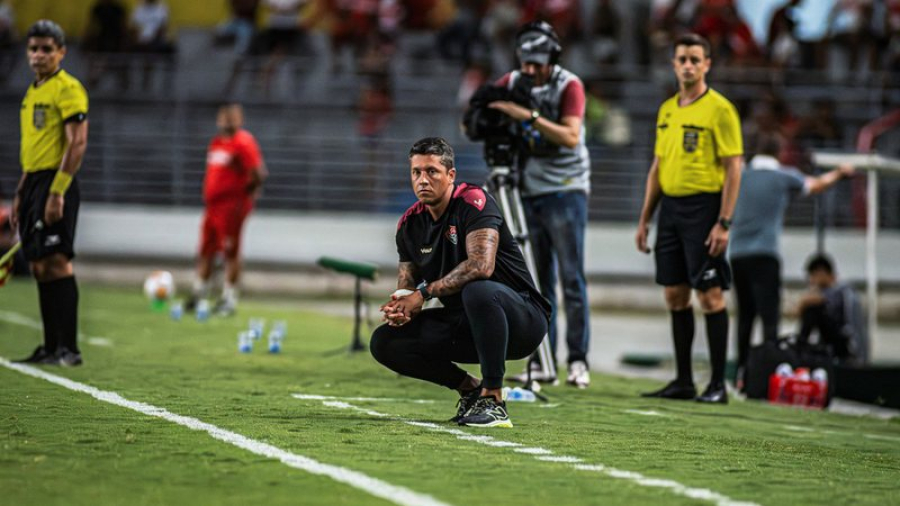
[[691, 140], [451, 234]]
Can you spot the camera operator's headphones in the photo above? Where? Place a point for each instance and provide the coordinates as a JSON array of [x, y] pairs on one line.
[[543, 28]]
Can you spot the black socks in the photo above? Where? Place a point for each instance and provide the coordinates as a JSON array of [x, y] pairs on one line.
[[47, 303], [59, 312], [717, 336], [683, 336]]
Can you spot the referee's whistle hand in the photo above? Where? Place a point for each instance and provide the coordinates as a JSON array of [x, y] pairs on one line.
[[640, 239], [53, 211], [717, 240], [14, 215]]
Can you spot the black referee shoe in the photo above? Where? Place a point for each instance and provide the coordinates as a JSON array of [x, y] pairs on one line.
[[68, 358], [37, 356], [714, 394], [674, 390]]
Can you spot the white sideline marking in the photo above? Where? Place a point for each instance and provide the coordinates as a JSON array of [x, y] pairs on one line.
[[311, 397], [879, 436], [373, 486], [560, 458], [643, 412], [547, 456], [533, 451], [20, 319], [694, 493], [797, 428]]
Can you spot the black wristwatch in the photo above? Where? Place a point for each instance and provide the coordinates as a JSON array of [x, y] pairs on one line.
[[535, 114], [724, 222], [423, 289]]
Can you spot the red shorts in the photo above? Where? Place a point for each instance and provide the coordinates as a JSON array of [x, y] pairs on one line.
[[221, 228]]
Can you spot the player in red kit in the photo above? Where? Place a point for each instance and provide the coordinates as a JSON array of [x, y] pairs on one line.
[[235, 172]]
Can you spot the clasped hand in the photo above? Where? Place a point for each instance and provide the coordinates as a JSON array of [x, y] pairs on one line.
[[401, 308]]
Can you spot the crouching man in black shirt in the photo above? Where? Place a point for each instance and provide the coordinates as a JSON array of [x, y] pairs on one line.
[[454, 245]]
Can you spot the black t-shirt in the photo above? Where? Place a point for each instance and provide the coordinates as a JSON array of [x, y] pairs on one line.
[[437, 247]]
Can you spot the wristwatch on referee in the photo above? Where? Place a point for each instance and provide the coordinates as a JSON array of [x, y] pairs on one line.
[[724, 222], [423, 290], [535, 114]]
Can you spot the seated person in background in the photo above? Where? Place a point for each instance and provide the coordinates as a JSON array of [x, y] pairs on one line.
[[104, 41], [834, 310], [8, 49], [149, 22]]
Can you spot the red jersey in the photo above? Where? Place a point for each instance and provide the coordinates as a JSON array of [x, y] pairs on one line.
[[229, 162]]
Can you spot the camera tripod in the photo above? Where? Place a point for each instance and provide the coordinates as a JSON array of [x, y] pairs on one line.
[[503, 183]]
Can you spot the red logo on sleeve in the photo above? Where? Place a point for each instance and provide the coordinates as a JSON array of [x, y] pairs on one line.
[[475, 196]]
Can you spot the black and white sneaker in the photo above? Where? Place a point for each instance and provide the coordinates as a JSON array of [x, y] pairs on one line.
[[68, 358], [487, 412], [465, 403], [38, 356]]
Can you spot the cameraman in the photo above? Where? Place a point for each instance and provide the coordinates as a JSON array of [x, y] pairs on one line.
[[555, 182]]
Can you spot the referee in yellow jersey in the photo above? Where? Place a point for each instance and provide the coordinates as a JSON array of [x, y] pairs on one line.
[[694, 178], [54, 125]]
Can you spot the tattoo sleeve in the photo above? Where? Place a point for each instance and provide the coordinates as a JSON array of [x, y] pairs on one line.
[[481, 249], [406, 275]]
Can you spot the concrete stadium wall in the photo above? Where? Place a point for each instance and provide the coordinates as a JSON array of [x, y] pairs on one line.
[[135, 232]]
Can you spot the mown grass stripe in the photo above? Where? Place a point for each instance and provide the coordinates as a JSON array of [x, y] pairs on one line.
[[373, 486]]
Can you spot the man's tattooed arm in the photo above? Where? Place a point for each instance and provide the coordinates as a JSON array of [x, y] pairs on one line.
[[406, 276], [481, 248]]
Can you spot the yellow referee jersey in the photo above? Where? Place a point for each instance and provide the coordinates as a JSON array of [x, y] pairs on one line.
[[691, 142], [45, 109]]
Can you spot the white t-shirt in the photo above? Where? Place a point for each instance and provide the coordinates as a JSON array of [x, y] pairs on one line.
[[148, 19], [284, 14]]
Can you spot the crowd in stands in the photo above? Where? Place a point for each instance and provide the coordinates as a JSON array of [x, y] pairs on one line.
[[363, 35], [863, 30], [865, 33]]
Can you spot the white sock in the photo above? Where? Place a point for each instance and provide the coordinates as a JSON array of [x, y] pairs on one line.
[[230, 294], [201, 288]]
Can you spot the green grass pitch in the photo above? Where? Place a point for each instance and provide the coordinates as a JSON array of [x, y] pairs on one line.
[[62, 447]]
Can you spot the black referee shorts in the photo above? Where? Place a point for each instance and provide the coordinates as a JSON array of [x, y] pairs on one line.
[[40, 240], [681, 257]]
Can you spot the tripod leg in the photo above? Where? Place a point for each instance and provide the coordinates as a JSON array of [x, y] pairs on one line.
[[514, 215]]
